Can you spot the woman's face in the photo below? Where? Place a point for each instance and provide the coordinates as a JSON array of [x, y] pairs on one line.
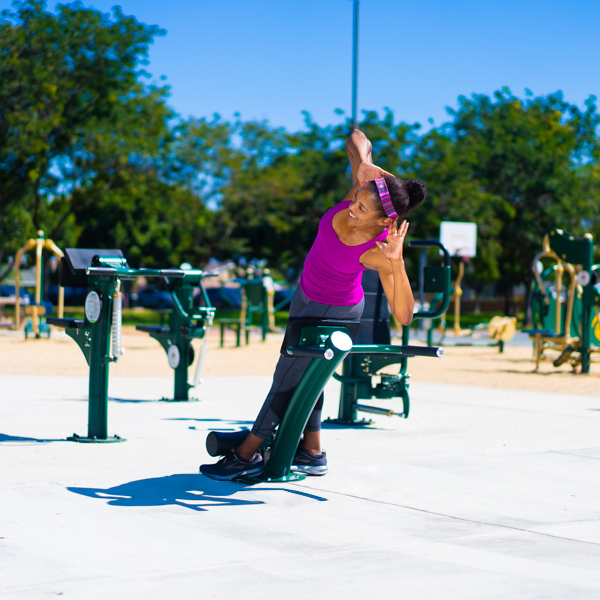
[[365, 210]]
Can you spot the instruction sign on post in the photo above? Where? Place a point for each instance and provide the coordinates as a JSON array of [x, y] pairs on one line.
[[460, 239]]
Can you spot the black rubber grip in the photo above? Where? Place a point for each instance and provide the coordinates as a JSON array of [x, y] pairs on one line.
[[430, 351]]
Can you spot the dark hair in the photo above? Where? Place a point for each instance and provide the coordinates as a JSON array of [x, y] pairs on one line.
[[405, 195]]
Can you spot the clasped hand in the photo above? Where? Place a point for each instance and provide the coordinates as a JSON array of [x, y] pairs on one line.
[[368, 171]]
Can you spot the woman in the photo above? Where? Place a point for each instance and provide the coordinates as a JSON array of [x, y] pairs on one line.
[[364, 231]]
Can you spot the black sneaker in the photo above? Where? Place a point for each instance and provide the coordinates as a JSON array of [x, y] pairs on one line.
[[310, 464], [232, 466]]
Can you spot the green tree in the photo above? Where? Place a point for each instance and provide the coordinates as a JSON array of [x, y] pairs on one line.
[[516, 168], [270, 188], [64, 79]]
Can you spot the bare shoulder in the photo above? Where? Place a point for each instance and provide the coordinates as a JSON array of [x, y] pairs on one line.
[[374, 259]]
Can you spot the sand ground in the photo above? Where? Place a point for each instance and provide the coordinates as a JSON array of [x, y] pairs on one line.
[[464, 365]]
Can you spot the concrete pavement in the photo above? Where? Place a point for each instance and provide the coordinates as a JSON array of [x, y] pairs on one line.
[[480, 493]]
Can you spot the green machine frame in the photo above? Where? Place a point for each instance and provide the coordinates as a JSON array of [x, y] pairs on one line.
[[99, 333], [566, 326], [254, 300], [327, 342], [186, 323], [361, 367]]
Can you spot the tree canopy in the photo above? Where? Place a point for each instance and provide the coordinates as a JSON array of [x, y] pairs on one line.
[[91, 153]]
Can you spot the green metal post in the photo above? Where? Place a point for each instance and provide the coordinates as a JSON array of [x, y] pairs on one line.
[[40, 325], [265, 312], [349, 393], [301, 405], [99, 361], [186, 323], [587, 302], [355, 64], [183, 342], [182, 387]]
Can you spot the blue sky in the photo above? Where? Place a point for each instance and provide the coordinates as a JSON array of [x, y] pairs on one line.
[[271, 60]]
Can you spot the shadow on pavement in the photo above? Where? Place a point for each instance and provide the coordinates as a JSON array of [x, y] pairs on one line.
[[123, 400], [229, 421], [192, 491], [17, 439]]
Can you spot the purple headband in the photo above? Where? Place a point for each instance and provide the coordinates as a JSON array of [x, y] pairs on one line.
[[384, 196]]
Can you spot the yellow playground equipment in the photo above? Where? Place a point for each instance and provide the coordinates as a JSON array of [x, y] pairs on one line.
[[36, 312], [565, 301]]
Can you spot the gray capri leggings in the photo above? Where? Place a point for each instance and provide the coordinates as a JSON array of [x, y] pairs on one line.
[[289, 370]]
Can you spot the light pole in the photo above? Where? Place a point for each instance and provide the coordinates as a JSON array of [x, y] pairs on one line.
[[354, 62]]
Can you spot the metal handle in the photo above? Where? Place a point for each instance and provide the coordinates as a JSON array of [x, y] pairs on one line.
[[430, 351], [430, 244]]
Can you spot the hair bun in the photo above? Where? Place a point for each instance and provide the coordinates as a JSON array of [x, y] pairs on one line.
[[416, 192]]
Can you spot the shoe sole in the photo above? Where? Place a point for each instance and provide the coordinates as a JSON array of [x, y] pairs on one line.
[[256, 471], [307, 470]]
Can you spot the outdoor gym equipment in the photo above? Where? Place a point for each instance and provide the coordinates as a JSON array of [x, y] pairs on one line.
[[458, 291], [359, 368], [502, 329], [254, 300], [565, 294], [327, 342], [186, 323], [37, 323], [99, 333], [460, 240]]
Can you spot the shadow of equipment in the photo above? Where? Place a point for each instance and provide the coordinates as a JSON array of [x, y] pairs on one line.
[[25, 440], [191, 491]]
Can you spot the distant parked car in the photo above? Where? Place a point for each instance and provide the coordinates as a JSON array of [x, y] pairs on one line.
[[8, 291], [27, 298], [74, 296], [150, 297]]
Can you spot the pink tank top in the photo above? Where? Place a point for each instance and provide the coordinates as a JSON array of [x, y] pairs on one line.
[[332, 271]]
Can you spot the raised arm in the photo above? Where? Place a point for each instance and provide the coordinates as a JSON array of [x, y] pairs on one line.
[[361, 160], [359, 151]]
